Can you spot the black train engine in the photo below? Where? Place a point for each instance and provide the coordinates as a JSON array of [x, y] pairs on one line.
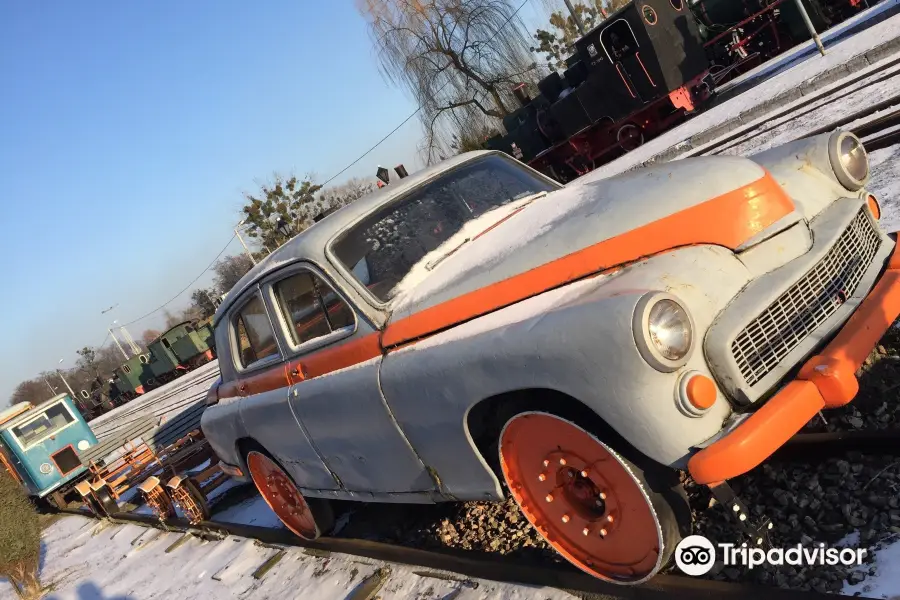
[[631, 77]]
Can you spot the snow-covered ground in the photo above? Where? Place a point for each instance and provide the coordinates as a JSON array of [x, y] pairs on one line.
[[86, 560]]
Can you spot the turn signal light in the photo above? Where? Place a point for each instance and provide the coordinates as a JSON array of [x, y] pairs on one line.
[[872, 201]]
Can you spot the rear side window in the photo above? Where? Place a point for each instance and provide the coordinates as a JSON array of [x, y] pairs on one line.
[[254, 334], [311, 307]]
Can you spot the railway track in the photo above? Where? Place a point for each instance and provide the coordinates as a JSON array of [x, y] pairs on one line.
[[843, 91], [478, 565]]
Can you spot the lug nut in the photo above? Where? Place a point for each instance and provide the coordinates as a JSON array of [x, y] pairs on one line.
[[770, 526], [602, 533], [743, 517], [565, 518], [584, 473], [585, 531], [542, 477], [562, 461], [546, 463], [602, 496], [735, 508], [549, 498], [609, 518]]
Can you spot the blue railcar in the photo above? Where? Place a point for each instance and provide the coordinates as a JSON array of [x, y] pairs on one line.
[[41, 445]]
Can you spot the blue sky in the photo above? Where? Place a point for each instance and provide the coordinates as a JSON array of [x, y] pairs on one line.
[[129, 131]]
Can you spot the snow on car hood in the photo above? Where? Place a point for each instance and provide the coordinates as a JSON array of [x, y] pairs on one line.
[[583, 213]]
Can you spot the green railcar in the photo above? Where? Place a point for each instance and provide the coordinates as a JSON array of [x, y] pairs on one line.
[[133, 374], [197, 347]]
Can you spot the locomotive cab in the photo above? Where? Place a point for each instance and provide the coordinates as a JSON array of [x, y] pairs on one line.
[[41, 446]]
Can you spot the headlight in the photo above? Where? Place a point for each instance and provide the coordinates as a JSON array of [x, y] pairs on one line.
[[84, 445], [46, 468], [848, 160], [663, 331]]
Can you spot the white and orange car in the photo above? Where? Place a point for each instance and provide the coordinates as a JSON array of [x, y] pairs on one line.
[[476, 329]]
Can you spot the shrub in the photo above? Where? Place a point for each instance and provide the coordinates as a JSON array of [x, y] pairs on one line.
[[20, 539]]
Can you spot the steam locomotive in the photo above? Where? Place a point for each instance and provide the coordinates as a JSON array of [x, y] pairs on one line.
[[631, 77], [643, 69]]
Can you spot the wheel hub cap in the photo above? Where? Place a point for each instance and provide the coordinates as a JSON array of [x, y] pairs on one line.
[[581, 498]]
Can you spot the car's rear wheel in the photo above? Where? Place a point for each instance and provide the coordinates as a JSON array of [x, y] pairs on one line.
[[308, 519], [594, 506]]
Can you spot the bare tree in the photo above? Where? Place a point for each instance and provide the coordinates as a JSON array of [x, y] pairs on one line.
[[149, 335], [229, 270], [459, 59], [349, 191]]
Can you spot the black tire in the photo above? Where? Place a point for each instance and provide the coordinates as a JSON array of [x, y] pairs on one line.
[[105, 502]]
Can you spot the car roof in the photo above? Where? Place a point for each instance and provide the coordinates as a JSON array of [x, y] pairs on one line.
[[311, 242]]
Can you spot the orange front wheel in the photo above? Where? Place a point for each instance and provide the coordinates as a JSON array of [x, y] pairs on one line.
[[592, 505]]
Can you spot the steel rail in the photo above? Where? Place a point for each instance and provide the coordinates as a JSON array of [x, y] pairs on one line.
[[837, 443], [480, 565], [737, 136]]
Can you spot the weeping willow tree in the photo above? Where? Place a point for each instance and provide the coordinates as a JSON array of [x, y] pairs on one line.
[[459, 59]]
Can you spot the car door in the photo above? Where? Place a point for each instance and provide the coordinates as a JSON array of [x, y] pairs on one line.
[[333, 364], [263, 386]]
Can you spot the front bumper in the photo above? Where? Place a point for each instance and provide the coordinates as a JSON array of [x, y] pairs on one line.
[[827, 380]]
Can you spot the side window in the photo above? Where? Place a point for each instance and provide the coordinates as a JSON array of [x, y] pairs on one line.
[[310, 307], [255, 338]]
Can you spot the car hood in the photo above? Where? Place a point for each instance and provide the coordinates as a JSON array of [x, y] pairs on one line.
[[583, 213]]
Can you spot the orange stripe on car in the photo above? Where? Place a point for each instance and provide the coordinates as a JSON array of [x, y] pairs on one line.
[[728, 220]]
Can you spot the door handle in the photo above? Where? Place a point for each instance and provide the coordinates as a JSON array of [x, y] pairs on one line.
[[299, 371]]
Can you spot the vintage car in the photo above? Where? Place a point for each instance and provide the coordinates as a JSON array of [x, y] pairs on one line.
[[476, 329]]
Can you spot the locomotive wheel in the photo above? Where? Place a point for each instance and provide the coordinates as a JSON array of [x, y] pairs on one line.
[[308, 519], [594, 507], [105, 502], [629, 137], [191, 501]]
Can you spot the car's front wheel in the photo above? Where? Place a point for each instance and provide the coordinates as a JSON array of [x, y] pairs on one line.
[[598, 509]]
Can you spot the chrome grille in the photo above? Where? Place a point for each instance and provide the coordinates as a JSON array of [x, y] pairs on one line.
[[771, 336]]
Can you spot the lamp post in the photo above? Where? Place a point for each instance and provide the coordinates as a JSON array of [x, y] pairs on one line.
[[66, 383], [52, 389], [241, 240]]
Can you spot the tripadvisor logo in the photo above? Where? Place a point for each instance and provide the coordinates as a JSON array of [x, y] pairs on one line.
[[695, 555]]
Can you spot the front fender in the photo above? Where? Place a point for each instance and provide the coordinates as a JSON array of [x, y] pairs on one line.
[[577, 340]]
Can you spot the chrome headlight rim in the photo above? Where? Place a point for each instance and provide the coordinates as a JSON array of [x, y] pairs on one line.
[[641, 329], [46, 468], [845, 175]]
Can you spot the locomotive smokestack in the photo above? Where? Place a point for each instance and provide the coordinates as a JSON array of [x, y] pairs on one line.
[[521, 94]]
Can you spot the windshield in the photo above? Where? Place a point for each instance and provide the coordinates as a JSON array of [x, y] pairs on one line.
[[49, 422], [387, 246]]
